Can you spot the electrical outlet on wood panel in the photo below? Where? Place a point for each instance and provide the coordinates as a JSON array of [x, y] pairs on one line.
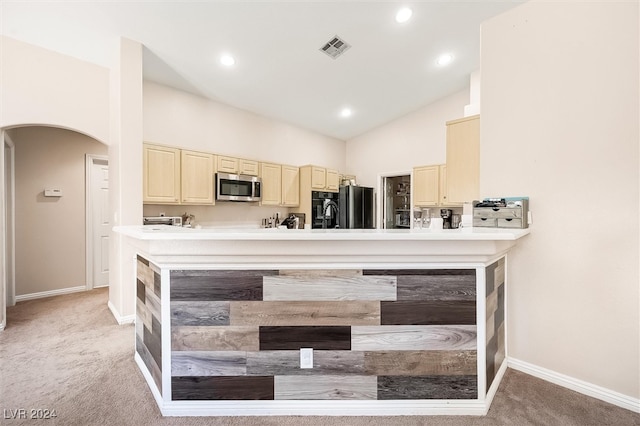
[[306, 357]]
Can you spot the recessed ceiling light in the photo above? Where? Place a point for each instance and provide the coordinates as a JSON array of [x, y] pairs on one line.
[[346, 112], [227, 60], [445, 59], [403, 15]]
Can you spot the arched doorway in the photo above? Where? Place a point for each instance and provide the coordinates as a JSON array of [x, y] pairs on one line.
[[47, 211]]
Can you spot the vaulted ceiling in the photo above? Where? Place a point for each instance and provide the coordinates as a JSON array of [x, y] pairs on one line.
[[280, 71]]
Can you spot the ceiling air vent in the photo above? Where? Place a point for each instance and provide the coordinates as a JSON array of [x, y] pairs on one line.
[[335, 47]]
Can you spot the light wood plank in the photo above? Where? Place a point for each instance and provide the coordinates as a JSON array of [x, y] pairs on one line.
[[199, 313], [420, 363], [327, 288], [194, 338], [326, 387], [280, 363], [145, 274], [492, 303], [208, 363], [305, 313], [143, 313], [153, 304], [413, 337], [320, 272]]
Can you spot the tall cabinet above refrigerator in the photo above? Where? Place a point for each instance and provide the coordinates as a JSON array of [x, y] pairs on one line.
[[356, 207]]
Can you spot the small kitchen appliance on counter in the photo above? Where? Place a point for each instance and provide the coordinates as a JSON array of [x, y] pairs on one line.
[[446, 214], [162, 220], [501, 213]]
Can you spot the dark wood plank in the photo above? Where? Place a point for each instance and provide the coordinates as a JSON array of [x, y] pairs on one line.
[[140, 290], [428, 387], [436, 287], [153, 341], [224, 285], [490, 277], [222, 388], [462, 312], [399, 272], [157, 284], [199, 313], [143, 260], [316, 337], [499, 314], [147, 359]]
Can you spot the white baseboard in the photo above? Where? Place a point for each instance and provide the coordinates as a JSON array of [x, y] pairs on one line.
[[129, 319], [50, 293], [585, 388]]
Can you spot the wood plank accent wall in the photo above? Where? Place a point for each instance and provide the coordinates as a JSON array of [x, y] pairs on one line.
[[376, 334], [495, 278], [148, 318]]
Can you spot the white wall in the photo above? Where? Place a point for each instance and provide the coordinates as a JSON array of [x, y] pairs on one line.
[[173, 117], [50, 231], [125, 172], [38, 86], [416, 139], [560, 124]]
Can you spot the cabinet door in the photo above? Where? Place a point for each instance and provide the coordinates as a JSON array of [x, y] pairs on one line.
[[290, 186], [426, 186], [227, 164], [248, 167], [442, 172], [333, 180], [318, 178], [161, 175], [197, 177], [271, 184], [463, 160]]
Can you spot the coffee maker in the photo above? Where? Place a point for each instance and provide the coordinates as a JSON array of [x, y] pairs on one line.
[[446, 215]]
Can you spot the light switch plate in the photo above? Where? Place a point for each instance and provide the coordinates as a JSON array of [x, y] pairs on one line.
[[306, 357]]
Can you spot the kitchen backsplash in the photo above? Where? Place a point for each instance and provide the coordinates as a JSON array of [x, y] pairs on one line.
[[223, 214]]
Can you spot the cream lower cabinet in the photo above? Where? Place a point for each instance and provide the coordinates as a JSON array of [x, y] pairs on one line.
[[161, 175], [197, 170], [271, 175], [290, 186], [463, 160]]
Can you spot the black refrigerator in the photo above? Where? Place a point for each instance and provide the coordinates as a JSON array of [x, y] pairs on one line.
[[356, 207]]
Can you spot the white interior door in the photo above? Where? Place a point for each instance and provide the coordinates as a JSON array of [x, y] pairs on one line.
[[99, 217]]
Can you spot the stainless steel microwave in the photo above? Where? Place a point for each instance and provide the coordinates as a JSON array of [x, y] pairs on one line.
[[238, 187]]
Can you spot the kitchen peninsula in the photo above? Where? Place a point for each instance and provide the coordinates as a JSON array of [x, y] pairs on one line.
[[390, 322]]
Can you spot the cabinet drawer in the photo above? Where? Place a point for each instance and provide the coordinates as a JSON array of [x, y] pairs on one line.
[[498, 212], [484, 222], [509, 223]]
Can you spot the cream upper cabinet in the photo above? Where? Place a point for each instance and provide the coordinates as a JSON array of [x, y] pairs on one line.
[[463, 160], [227, 164], [271, 175], [323, 179], [333, 180], [442, 183], [161, 175], [290, 186], [426, 186], [318, 178], [248, 167], [197, 177]]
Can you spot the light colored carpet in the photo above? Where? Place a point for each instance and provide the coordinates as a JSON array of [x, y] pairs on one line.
[[67, 353]]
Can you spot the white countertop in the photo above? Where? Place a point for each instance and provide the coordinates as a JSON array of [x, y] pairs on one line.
[[166, 232]]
